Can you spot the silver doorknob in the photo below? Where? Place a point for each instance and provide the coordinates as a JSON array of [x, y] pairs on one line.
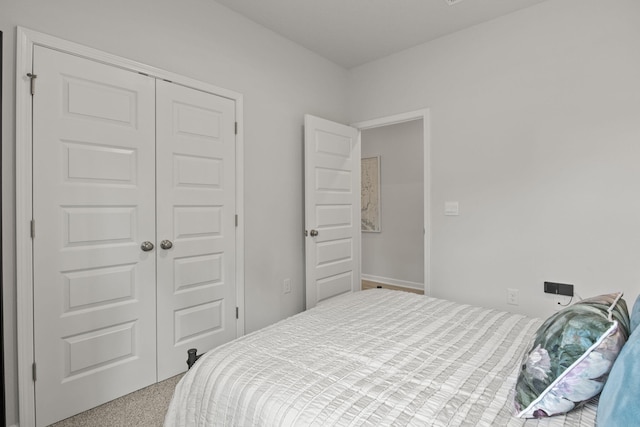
[[146, 246], [314, 233], [166, 244]]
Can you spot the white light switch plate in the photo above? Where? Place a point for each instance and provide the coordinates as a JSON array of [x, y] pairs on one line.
[[451, 208]]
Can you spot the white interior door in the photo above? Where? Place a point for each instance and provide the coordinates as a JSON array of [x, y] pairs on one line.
[[93, 206], [196, 218], [332, 209]]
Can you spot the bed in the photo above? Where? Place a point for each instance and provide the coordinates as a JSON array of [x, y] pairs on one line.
[[370, 358]]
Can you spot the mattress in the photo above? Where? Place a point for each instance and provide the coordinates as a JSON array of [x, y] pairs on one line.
[[369, 358]]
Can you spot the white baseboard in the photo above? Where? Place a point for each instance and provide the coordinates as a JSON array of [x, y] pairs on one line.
[[394, 282]]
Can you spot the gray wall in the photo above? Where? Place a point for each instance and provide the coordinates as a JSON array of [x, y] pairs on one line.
[[535, 130], [397, 252], [201, 39]]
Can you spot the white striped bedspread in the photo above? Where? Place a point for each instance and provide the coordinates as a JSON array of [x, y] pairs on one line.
[[370, 358]]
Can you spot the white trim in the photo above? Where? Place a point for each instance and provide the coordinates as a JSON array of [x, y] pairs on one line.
[[24, 260], [394, 282], [392, 120], [423, 114], [26, 40], [240, 324], [426, 131]]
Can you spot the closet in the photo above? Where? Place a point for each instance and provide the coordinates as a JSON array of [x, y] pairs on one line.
[[133, 230]]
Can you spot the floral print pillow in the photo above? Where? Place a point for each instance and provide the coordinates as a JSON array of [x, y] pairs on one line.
[[571, 356]]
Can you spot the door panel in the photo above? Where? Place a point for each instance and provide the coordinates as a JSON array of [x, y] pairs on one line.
[[332, 209], [93, 201], [196, 212]]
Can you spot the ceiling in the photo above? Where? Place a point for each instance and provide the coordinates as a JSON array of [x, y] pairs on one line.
[[354, 32]]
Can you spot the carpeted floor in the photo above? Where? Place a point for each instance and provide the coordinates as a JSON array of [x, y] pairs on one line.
[[143, 408]]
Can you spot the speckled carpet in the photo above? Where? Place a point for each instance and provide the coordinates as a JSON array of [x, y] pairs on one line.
[[143, 408]]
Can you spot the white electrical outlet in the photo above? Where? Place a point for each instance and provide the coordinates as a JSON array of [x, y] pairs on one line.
[[286, 286], [512, 296]]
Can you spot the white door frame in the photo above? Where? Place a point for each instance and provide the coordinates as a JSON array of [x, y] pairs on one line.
[[25, 41], [423, 114]]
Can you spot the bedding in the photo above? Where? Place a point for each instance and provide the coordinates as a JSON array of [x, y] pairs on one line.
[[372, 358]]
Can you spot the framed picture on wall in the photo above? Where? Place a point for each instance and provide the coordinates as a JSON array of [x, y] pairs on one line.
[[370, 194]]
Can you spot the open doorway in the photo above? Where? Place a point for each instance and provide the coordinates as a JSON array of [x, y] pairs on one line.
[[395, 248]]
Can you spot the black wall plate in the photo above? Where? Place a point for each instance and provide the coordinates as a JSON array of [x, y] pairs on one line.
[[558, 288]]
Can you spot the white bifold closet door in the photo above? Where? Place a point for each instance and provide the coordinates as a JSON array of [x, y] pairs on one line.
[[114, 311], [196, 213], [93, 206]]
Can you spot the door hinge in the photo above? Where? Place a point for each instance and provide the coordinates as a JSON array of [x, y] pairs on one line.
[[237, 313], [33, 82], [33, 228], [236, 128], [236, 220], [33, 369]]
